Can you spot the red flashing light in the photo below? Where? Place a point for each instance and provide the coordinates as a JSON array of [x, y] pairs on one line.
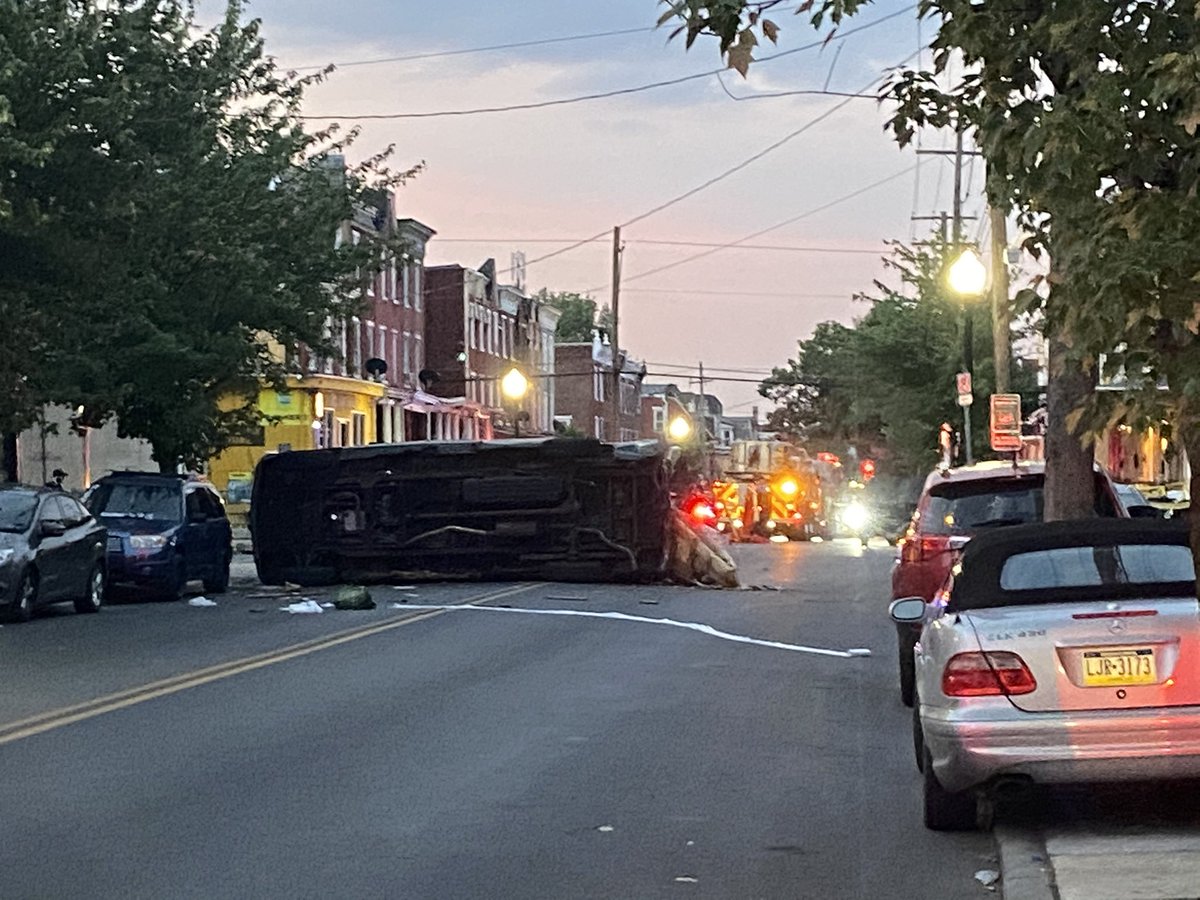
[[826, 457], [701, 511], [867, 469]]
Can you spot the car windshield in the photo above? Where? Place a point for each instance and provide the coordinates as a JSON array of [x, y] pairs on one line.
[[963, 507], [125, 500], [16, 510]]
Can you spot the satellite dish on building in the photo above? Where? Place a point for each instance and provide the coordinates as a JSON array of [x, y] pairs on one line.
[[375, 367], [428, 378]]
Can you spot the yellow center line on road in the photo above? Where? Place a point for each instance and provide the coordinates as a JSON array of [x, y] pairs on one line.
[[98, 706]]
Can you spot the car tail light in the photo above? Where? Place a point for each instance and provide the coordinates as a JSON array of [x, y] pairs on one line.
[[990, 674], [923, 546]]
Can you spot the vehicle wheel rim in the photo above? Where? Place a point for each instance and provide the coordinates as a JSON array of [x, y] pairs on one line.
[[97, 592]]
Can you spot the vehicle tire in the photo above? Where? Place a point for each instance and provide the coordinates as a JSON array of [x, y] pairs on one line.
[[94, 598], [946, 810], [918, 737], [219, 583], [26, 600], [908, 671], [172, 589]]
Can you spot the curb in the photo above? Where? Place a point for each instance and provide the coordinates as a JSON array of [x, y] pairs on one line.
[[1025, 869]]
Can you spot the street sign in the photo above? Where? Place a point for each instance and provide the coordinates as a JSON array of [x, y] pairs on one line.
[[1006, 422], [962, 383]]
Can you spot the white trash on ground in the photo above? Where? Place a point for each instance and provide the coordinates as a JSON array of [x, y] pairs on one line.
[[987, 877], [302, 606], [201, 601]]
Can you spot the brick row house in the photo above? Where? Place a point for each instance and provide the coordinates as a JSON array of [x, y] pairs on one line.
[[583, 403]]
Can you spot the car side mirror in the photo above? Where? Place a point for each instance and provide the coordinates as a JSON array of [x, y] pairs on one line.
[[907, 611], [52, 528]]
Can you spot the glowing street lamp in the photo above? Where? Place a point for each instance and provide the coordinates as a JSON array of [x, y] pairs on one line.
[[679, 429], [967, 275], [514, 386]]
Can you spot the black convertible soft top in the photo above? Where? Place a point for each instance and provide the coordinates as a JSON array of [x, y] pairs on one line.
[[978, 584]]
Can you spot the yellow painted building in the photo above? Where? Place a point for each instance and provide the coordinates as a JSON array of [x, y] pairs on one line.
[[314, 411]]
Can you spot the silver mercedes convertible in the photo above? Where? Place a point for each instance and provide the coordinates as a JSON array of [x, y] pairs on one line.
[[1064, 652]]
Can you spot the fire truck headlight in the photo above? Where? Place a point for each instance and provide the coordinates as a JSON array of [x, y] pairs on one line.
[[770, 524], [788, 487], [855, 516]]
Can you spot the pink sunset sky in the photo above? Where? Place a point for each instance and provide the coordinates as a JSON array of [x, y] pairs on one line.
[[538, 180]]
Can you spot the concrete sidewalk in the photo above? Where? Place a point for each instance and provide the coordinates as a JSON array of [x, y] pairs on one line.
[[1130, 862]]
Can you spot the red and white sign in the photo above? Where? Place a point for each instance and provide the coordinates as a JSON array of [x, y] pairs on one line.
[[1005, 427], [963, 381]]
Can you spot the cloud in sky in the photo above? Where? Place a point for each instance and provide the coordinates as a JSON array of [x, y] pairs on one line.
[[568, 172]]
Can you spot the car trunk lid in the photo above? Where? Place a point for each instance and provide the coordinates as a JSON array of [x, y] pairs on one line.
[[1126, 654]]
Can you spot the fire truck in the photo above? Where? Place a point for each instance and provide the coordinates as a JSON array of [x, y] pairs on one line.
[[770, 489]]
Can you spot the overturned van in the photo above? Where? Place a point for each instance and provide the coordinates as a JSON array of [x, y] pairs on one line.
[[561, 509]]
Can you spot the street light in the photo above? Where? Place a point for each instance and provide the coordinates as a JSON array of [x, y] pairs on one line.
[[514, 386], [967, 277], [679, 429]]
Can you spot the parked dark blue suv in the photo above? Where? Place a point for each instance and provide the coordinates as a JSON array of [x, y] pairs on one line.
[[163, 531]]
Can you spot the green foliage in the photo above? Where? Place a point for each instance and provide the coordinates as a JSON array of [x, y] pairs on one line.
[[1088, 115], [888, 381], [158, 184], [579, 317]]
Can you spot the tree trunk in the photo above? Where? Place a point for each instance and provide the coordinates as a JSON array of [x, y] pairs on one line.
[[1070, 483], [1189, 433], [8, 449]]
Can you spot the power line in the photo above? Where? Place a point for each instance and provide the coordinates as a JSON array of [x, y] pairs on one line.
[[811, 123], [618, 92], [775, 227], [438, 54], [665, 243], [785, 294], [797, 93]]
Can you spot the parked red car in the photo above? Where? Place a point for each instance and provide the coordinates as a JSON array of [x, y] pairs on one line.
[[954, 505]]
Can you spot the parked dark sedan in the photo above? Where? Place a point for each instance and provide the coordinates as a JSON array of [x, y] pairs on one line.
[[163, 531], [51, 551]]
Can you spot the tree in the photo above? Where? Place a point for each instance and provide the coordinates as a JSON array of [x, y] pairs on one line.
[[579, 318], [1087, 115], [887, 380], [185, 220]]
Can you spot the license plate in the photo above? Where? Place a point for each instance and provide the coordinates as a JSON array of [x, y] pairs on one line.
[[1129, 665]]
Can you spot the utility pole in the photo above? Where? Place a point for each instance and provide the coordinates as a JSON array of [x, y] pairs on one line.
[[1001, 314], [702, 409], [614, 342], [955, 246], [968, 337]]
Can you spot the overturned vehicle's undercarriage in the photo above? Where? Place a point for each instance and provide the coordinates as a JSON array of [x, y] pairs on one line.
[[550, 509]]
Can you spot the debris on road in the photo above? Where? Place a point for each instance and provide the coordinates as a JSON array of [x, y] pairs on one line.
[[686, 879], [697, 556], [353, 597], [302, 606], [606, 828], [988, 878], [567, 599], [201, 602]]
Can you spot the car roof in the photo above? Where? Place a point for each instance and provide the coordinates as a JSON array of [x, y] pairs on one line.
[[977, 584], [13, 488], [992, 468]]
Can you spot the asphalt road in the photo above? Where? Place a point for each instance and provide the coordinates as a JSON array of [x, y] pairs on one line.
[[407, 753]]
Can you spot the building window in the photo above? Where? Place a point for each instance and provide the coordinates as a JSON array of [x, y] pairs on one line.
[[326, 433], [660, 419], [598, 391], [417, 287], [358, 427], [419, 354], [355, 355], [407, 353], [405, 279], [598, 426]]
